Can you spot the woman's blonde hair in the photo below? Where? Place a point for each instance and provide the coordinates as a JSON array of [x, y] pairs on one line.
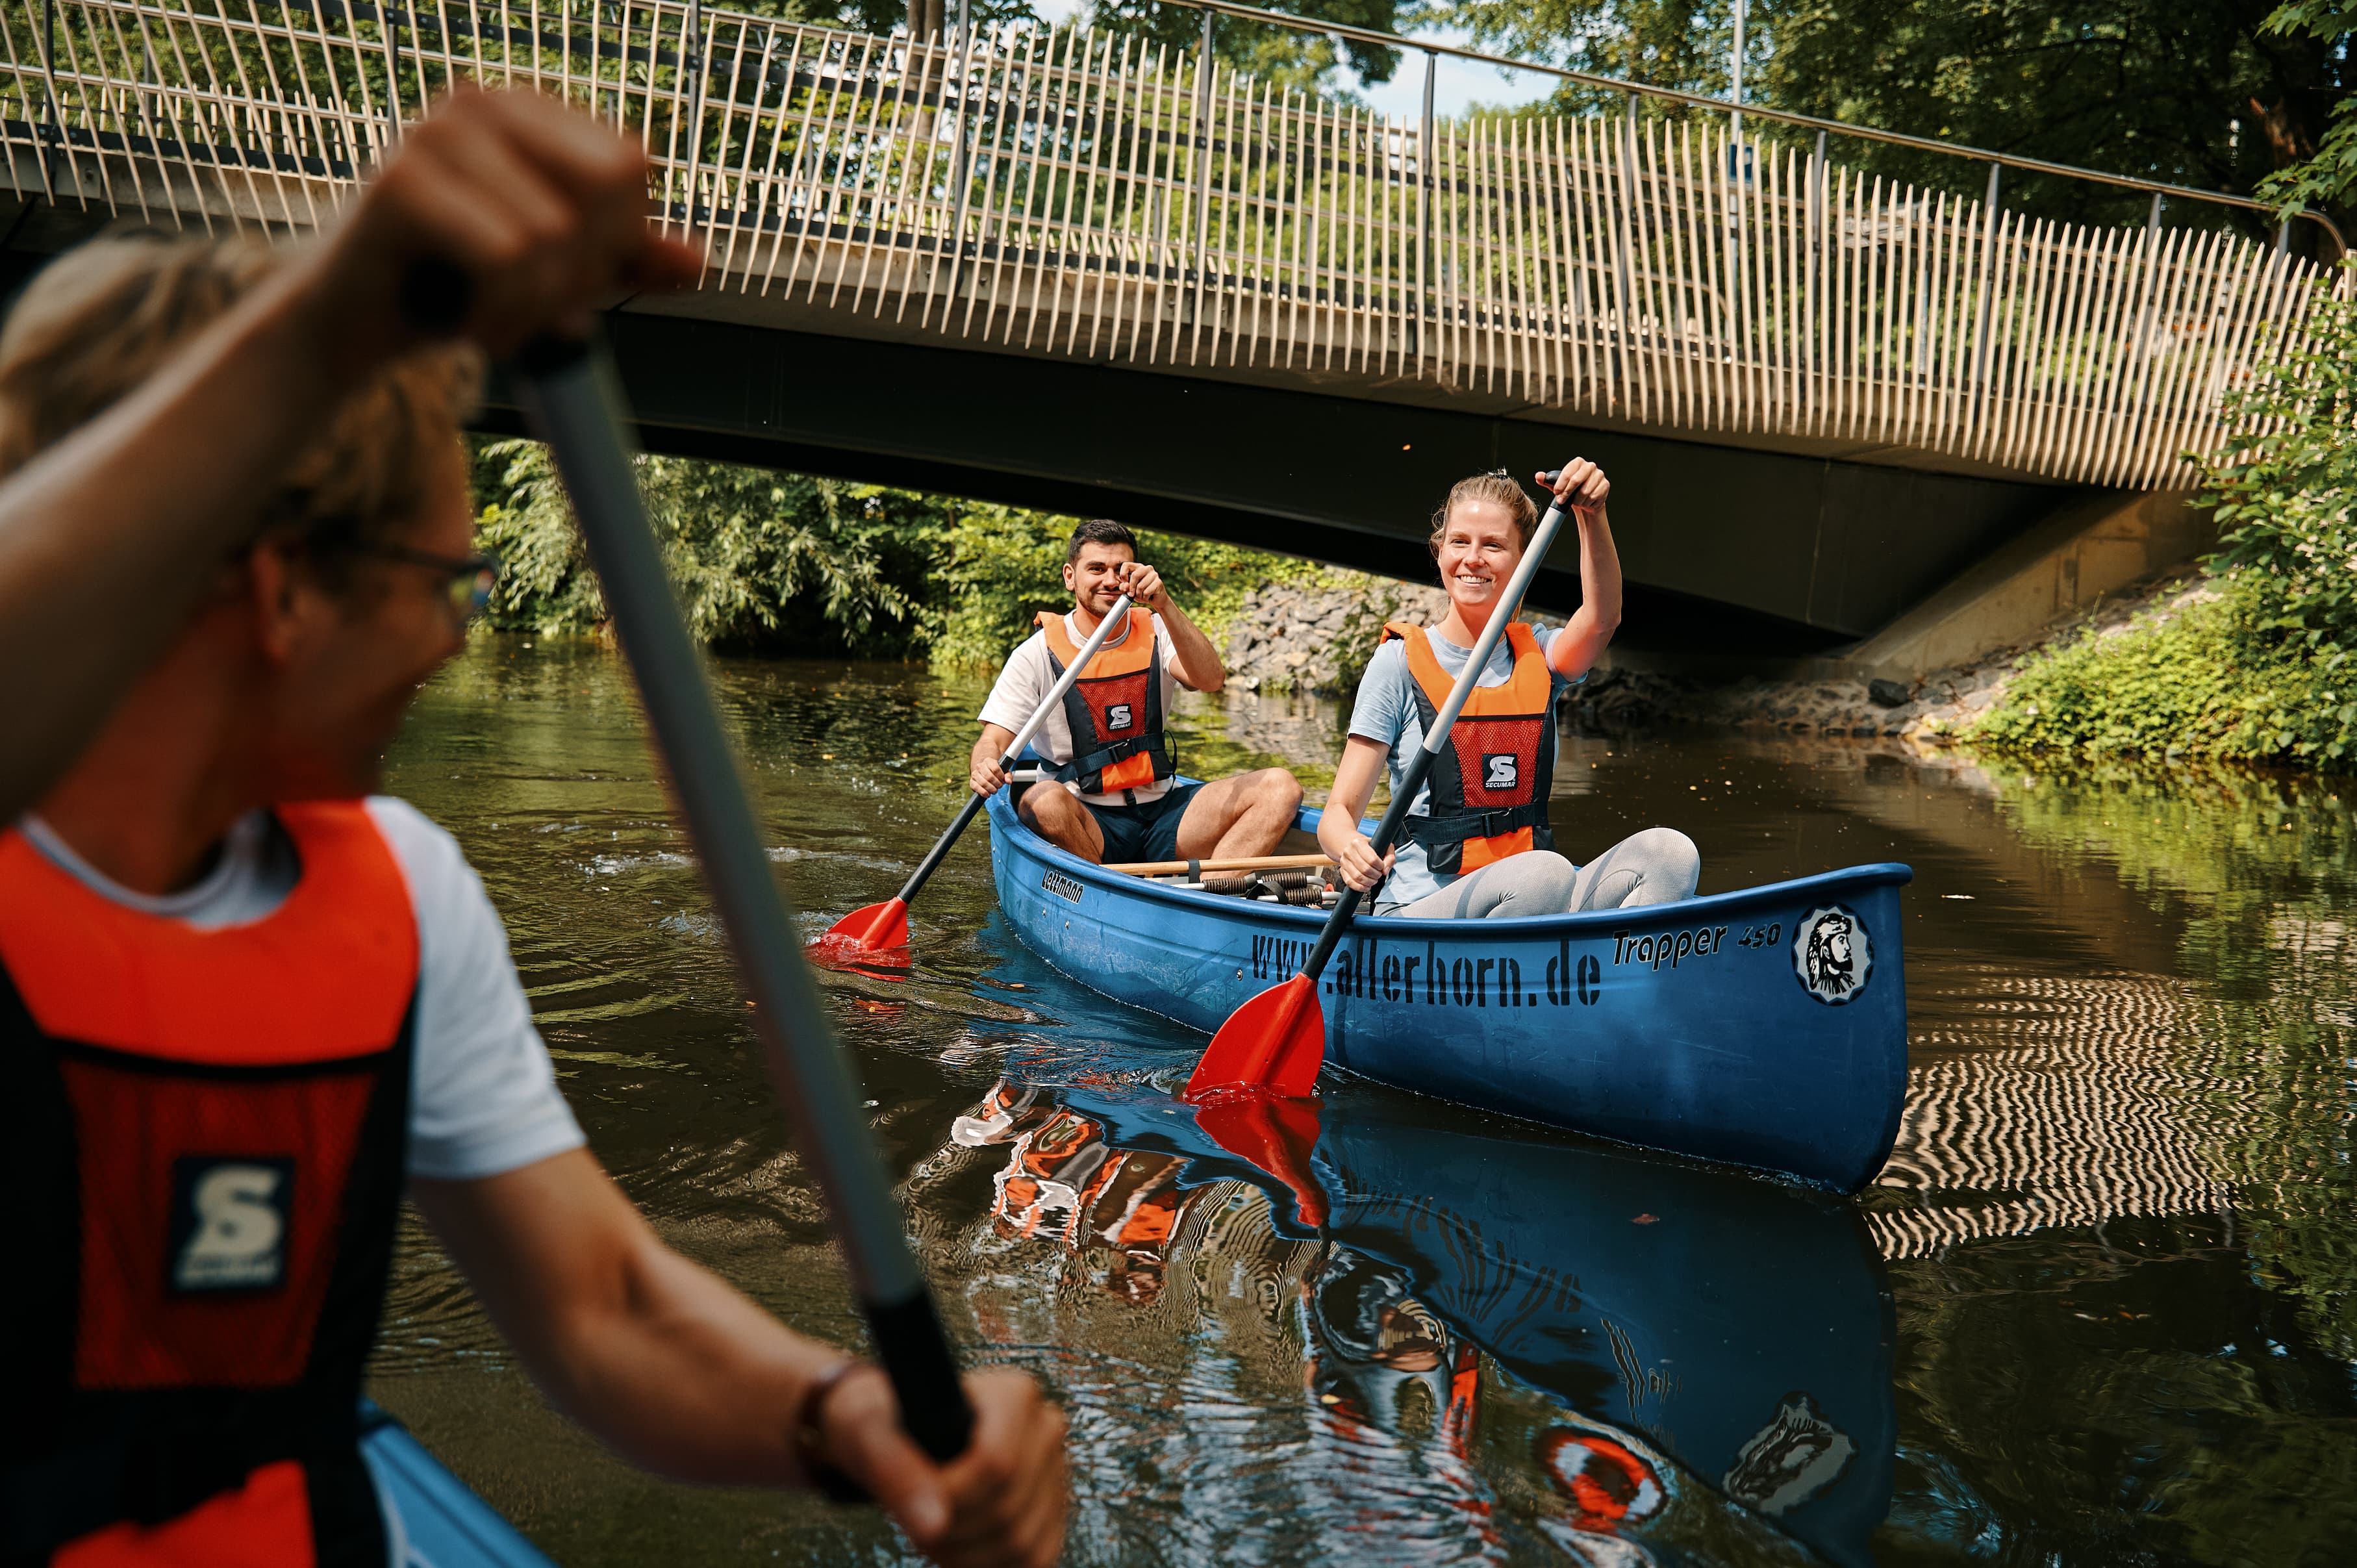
[[1498, 486], [93, 325]]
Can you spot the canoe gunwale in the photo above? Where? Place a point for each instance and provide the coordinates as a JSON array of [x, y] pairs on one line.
[[1704, 908]]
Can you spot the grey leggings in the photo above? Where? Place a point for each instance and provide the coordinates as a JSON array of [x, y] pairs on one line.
[[1659, 866]]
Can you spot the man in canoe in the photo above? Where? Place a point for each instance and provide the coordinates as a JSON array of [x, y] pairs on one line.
[[1106, 744], [1479, 841], [244, 1004]]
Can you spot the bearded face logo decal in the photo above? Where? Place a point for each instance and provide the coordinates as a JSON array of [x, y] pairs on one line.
[[1832, 955]]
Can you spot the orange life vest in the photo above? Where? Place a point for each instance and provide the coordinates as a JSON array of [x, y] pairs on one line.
[[1490, 780], [203, 1135], [1115, 708]]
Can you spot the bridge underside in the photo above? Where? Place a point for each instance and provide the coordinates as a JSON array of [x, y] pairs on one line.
[[1724, 549]]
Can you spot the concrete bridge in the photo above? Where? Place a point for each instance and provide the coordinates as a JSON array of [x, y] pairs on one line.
[[1061, 269]]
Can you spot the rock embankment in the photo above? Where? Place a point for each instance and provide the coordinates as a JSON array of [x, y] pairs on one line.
[[1935, 709], [1317, 635]]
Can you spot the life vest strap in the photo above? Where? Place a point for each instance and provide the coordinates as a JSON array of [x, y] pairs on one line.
[[1115, 769], [1494, 823]]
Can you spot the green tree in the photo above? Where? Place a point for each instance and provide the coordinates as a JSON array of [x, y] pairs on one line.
[[999, 567], [2327, 181], [2284, 486], [2200, 92], [1308, 62], [777, 561], [2197, 93], [2264, 669], [789, 563]]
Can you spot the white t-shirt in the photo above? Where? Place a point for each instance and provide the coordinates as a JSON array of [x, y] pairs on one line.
[[483, 1095], [1026, 679]]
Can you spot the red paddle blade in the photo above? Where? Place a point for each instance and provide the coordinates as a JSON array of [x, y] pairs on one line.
[[860, 936], [1277, 1135], [1275, 1042]]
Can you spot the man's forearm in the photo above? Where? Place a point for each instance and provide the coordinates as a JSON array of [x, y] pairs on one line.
[[1199, 666], [685, 1377], [123, 524]]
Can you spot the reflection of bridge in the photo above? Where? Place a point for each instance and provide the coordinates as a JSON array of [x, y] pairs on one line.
[[1830, 392]]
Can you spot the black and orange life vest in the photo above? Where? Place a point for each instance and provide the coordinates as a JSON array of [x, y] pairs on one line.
[[1115, 708], [203, 1136], [1490, 779]]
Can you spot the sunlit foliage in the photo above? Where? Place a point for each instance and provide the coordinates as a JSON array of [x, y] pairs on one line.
[[2189, 92], [2262, 668], [785, 562]]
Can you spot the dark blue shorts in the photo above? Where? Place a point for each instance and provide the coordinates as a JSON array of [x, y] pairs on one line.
[[1145, 832]]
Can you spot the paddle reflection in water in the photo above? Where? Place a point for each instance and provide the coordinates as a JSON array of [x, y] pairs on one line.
[[1503, 1335]]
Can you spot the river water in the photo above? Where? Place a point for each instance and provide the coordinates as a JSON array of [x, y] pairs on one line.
[[2098, 1309]]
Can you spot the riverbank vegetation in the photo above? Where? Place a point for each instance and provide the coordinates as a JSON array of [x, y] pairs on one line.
[[2259, 663], [791, 564]]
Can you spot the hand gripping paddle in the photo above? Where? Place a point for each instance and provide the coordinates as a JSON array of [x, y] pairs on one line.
[[882, 926], [574, 406], [1275, 1042]]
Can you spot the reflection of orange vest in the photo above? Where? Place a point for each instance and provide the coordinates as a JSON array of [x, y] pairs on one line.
[[202, 1134], [1490, 780], [1115, 708]]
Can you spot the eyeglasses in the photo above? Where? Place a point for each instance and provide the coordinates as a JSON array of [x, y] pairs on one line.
[[468, 579]]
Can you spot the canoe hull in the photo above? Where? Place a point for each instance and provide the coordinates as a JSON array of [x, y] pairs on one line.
[[443, 1524], [1715, 1027]]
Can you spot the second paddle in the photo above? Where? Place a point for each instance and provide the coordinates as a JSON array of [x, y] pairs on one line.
[[879, 928]]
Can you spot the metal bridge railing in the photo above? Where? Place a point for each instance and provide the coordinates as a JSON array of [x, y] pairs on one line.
[[1084, 193]]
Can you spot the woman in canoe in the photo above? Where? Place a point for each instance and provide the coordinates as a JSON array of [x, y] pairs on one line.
[[1477, 841]]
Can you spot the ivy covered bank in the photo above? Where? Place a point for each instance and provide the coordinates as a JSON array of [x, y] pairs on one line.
[[2259, 663]]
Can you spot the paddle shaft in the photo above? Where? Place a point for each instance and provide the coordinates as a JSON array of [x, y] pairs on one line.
[[1419, 767], [936, 856], [568, 394]]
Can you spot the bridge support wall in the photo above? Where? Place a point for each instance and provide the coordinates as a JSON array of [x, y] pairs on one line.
[[2088, 550]]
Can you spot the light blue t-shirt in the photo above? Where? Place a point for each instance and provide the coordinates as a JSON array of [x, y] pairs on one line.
[[1385, 711]]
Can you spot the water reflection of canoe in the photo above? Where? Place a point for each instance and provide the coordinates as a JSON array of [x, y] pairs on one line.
[[1766, 1027], [1740, 1328], [445, 1525]]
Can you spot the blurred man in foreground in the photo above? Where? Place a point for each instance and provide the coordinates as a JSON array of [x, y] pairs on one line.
[[246, 1001]]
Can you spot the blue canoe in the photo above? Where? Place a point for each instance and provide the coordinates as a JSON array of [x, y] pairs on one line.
[[1766, 1027], [443, 1524]]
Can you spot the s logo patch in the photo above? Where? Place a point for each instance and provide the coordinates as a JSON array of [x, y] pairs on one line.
[[228, 1222], [1500, 770], [1118, 717]]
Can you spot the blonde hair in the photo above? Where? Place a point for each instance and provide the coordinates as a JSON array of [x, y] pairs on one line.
[[91, 327], [1497, 486]]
